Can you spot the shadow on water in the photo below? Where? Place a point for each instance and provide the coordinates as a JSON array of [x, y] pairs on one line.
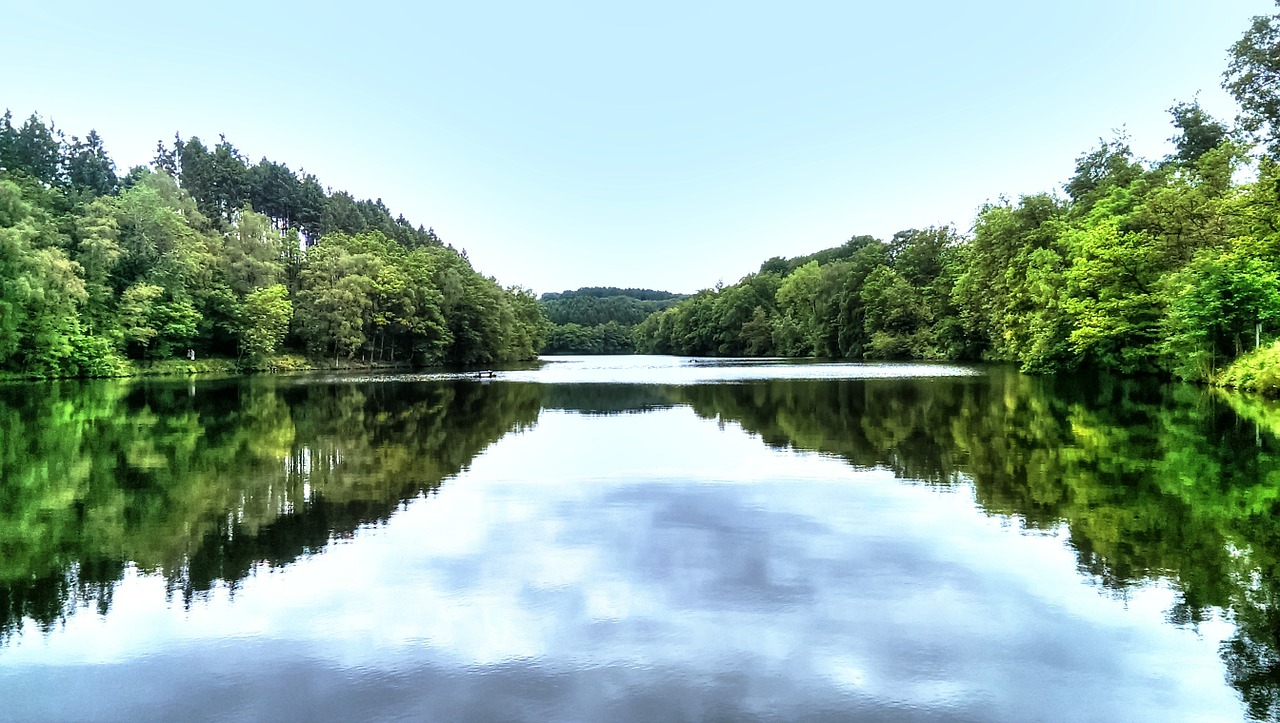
[[202, 484]]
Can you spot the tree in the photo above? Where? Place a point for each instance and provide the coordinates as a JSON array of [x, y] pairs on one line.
[[217, 179], [799, 307], [1253, 78], [1111, 297], [98, 254], [274, 191], [139, 314], [266, 316], [1110, 165], [991, 292], [896, 315], [8, 141], [1199, 132], [1217, 303], [41, 289], [335, 296], [36, 149], [253, 253], [88, 169]]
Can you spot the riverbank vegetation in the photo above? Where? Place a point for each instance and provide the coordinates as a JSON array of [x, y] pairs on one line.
[[205, 254], [1170, 266]]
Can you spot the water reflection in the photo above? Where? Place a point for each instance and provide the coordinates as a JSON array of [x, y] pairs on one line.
[[1150, 480], [1146, 483], [201, 488]]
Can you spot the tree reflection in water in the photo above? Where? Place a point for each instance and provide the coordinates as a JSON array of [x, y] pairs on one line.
[[202, 484], [1150, 480]]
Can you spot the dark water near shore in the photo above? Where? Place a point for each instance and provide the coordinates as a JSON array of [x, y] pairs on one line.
[[640, 538]]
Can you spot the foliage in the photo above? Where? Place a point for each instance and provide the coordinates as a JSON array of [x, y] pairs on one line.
[[267, 311], [606, 292], [1256, 371], [1166, 268], [599, 320], [1253, 77], [207, 255], [608, 338]]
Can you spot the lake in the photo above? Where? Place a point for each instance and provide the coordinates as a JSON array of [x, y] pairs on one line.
[[640, 538]]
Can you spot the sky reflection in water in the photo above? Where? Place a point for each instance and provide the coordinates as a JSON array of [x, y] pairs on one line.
[[653, 565]]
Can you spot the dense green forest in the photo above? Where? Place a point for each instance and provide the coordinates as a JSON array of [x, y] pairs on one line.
[[205, 253], [1169, 266], [600, 320]]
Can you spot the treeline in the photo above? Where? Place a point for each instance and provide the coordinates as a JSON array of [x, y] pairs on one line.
[[590, 310], [205, 254], [1171, 266], [600, 320], [1142, 267], [601, 292]]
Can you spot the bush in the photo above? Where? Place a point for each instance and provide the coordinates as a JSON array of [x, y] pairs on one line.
[[1257, 371]]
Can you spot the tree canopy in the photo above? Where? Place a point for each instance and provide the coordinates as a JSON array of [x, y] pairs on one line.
[[205, 254]]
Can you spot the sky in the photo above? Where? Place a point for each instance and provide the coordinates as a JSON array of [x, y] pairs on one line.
[[667, 145]]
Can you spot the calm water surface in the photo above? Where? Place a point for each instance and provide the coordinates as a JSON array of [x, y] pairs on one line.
[[640, 538]]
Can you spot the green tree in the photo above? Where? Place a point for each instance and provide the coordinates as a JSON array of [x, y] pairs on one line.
[[1198, 133], [253, 253], [335, 296], [139, 314], [267, 312], [87, 167], [1111, 297], [896, 315], [1111, 165], [992, 294], [36, 150], [1253, 78]]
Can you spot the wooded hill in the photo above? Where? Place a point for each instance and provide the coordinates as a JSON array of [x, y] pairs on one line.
[[205, 253], [600, 320]]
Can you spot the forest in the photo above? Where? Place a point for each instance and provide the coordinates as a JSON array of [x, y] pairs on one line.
[[206, 254], [1170, 266], [600, 320]]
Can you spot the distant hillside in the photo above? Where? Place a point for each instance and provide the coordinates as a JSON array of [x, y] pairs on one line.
[[591, 310], [601, 292], [599, 320]]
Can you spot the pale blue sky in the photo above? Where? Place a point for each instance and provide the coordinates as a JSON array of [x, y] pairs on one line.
[[663, 145]]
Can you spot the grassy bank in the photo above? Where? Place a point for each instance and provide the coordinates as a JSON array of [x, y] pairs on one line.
[[215, 366], [1258, 371]]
